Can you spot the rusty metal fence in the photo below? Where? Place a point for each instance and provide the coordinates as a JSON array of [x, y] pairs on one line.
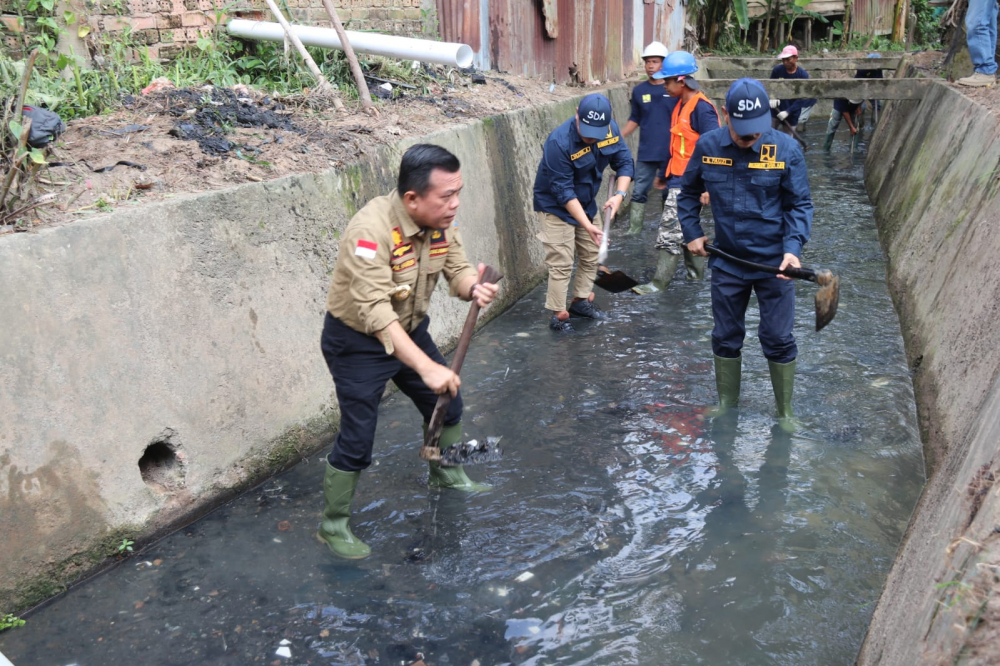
[[560, 39]]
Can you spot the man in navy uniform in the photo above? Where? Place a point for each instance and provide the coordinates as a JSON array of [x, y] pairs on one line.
[[756, 177], [651, 109], [565, 198]]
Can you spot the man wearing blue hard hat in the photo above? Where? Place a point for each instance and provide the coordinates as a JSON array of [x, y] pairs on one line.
[[692, 115], [756, 177], [565, 197]]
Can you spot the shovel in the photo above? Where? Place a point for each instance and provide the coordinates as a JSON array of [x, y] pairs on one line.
[[827, 298], [613, 281], [462, 453], [795, 135]]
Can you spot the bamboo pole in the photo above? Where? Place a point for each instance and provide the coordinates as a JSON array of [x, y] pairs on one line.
[[323, 85], [352, 60]]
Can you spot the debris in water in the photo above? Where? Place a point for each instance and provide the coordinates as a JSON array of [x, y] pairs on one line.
[[522, 334], [284, 652], [880, 382], [527, 575]]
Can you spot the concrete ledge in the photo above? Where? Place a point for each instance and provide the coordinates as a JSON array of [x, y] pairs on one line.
[[910, 89], [932, 172], [193, 325]]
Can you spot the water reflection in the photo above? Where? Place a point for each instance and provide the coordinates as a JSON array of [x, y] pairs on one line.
[[624, 528]]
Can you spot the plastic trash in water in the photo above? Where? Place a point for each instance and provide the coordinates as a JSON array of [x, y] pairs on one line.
[[527, 575]]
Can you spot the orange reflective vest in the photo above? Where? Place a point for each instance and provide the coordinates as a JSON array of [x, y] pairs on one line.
[[682, 137]]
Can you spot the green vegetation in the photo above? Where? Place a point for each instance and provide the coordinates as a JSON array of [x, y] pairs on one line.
[[724, 26], [9, 621], [125, 547]]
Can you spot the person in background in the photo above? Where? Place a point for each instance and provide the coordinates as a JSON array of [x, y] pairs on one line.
[[843, 109], [565, 197], [876, 104], [692, 116], [759, 188], [788, 110], [651, 107], [981, 36]]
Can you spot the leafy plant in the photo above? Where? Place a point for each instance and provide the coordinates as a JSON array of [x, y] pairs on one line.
[[125, 546], [8, 621]]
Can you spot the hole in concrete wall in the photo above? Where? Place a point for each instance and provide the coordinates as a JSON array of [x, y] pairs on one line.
[[162, 463]]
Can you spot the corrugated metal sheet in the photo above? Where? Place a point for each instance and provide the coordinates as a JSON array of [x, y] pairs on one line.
[[514, 35], [872, 17]]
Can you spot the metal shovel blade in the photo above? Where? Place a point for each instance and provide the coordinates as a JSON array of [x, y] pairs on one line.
[[472, 453], [615, 282], [827, 298]]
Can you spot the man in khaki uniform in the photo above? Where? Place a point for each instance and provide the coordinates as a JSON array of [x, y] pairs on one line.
[[565, 197], [391, 256]]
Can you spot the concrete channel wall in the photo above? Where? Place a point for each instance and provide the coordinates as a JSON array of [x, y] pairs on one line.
[[187, 331], [933, 173]]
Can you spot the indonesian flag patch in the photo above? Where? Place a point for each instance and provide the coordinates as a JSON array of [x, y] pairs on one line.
[[366, 249]]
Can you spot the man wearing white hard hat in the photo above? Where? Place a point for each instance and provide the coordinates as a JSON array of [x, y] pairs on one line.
[[789, 111], [651, 108]]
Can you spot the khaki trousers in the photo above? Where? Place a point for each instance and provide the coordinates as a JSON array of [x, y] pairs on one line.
[[561, 240]]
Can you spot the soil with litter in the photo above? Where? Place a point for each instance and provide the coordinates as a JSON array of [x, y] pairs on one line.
[[179, 141]]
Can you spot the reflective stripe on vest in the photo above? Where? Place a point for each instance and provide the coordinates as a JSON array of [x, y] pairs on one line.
[[682, 137]]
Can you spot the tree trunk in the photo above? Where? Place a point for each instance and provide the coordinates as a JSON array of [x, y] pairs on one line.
[[352, 59]]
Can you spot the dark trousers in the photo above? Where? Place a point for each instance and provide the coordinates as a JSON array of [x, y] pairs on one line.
[[776, 300], [360, 369]]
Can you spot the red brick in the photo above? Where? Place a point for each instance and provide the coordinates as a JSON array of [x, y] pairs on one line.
[[12, 23], [114, 23], [143, 23], [192, 19]]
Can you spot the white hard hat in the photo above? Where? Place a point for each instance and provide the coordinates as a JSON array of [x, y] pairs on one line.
[[655, 50]]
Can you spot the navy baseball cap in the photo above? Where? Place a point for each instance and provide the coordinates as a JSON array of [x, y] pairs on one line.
[[748, 107], [594, 113]]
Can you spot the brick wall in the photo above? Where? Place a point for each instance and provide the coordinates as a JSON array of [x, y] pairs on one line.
[[164, 27]]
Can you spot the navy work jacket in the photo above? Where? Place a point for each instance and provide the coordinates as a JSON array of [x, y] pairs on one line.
[[570, 169], [795, 107], [759, 196], [651, 110]]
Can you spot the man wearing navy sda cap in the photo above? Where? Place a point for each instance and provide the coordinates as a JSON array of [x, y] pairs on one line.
[[757, 180], [565, 198]]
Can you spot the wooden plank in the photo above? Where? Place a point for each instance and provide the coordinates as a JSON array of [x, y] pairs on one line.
[[911, 89], [810, 64]]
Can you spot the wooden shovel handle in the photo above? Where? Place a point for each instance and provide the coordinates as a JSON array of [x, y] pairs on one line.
[[430, 450]]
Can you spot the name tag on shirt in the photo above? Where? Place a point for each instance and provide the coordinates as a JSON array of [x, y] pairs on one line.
[[647, 99], [607, 142], [718, 161], [766, 165], [576, 156]]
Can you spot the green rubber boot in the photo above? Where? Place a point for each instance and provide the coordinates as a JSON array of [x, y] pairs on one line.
[[636, 216], [694, 266], [666, 266], [452, 477], [828, 142], [334, 531], [728, 373], [783, 381]]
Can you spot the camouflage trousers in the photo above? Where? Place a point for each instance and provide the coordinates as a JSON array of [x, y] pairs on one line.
[[669, 236]]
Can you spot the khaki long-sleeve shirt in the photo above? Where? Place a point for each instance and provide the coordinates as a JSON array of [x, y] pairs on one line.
[[382, 249]]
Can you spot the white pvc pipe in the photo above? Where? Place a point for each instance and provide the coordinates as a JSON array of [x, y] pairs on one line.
[[401, 48]]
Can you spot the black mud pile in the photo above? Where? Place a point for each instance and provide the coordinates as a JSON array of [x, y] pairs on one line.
[[217, 111]]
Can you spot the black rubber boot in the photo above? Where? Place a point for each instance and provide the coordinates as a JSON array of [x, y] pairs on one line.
[[334, 531]]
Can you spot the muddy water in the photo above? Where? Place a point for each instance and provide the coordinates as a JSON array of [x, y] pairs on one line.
[[623, 528]]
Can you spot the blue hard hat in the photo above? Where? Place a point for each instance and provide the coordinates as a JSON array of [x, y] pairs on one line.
[[678, 63]]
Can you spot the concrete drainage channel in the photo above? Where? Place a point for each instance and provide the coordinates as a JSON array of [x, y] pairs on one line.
[[127, 348]]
